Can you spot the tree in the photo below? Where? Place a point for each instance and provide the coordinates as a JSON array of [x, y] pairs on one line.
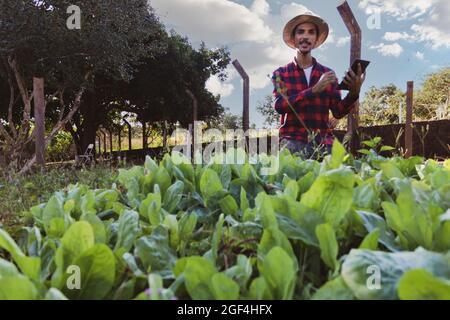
[[265, 107], [381, 106], [431, 101], [158, 91], [36, 43], [226, 121]]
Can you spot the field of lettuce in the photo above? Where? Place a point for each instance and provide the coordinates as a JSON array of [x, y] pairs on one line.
[[341, 228]]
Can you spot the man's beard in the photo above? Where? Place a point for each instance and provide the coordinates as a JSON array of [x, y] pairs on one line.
[[303, 50]]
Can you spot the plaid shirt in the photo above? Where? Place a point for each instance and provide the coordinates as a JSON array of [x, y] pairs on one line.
[[312, 109]]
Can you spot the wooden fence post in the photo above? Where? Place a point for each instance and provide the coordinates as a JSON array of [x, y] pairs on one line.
[[246, 94], [129, 133], [355, 53], [408, 125]]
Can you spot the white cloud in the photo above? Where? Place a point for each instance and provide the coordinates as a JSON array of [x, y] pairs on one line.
[[432, 24], [215, 86], [213, 21], [432, 36], [253, 33], [395, 36], [419, 55], [400, 9], [260, 7], [342, 41], [393, 50]]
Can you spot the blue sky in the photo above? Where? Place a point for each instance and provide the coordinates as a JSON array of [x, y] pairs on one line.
[[411, 40]]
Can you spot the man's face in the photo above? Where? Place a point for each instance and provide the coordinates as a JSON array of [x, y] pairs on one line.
[[305, 37]]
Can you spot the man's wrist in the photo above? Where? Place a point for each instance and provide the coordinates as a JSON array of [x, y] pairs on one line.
[[353, 95]]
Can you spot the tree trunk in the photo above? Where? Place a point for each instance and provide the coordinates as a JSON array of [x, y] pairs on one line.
[[89, 124], [144, 135], [165, 135], [39, 117]]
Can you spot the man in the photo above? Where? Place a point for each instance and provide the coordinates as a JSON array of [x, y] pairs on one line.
[[305, 90]]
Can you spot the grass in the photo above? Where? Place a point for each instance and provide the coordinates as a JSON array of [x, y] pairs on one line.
[[22, 192]]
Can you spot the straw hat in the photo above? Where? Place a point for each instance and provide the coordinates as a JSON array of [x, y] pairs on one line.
[[303, 18]]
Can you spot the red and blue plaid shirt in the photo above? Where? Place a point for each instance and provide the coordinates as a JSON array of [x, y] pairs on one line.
[[312, 109]]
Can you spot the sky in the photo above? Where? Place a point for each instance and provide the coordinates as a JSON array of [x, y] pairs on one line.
[[404, 39]]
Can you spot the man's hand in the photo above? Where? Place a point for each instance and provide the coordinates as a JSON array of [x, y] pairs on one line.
[[327, 79], [355, 81]]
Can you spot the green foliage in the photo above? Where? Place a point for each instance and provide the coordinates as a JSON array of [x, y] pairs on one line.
[[313, 230]]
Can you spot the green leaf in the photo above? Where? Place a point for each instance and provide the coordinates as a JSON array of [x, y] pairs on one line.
[[210, 183], [88, 203], [306, 182], [259, 290], [242, 271], [170, 221], [273, 237], [335, 289], [155, 252], [187, 225], [372, 222], [7, 269], [53, 209], [77, 239], [265, 210], [364, 151], [198, 272], [280, 277], [337, 155], [229, 206], [215, 240], [150, 208], [224, 288], [97, 226], [302, 229], [30, 266], [17, 288], [331, 195], [162, 178], [173, 196], [420, 284], [390, 170], [97, 270], [244, 201], [328, 245], [375, 275], [370, 242], [291, 189], [386, 148], [127, 230], [155, 283], [54, 294], [410, 220]]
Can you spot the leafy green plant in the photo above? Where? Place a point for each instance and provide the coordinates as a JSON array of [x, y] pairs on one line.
[[310, 231]]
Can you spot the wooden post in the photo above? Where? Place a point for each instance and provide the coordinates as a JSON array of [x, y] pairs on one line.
[[191, 127], [245, 111], [120, 139], [105, 146], [194, 105], [110, 141], [39, 117], [408, 125], [129, 133], [355, 53], [99, 145], [144, 135]]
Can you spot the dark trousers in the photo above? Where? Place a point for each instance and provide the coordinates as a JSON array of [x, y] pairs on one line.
[[307, 150]]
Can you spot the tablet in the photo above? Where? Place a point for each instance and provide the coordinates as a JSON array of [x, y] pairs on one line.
[[364, 64]]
